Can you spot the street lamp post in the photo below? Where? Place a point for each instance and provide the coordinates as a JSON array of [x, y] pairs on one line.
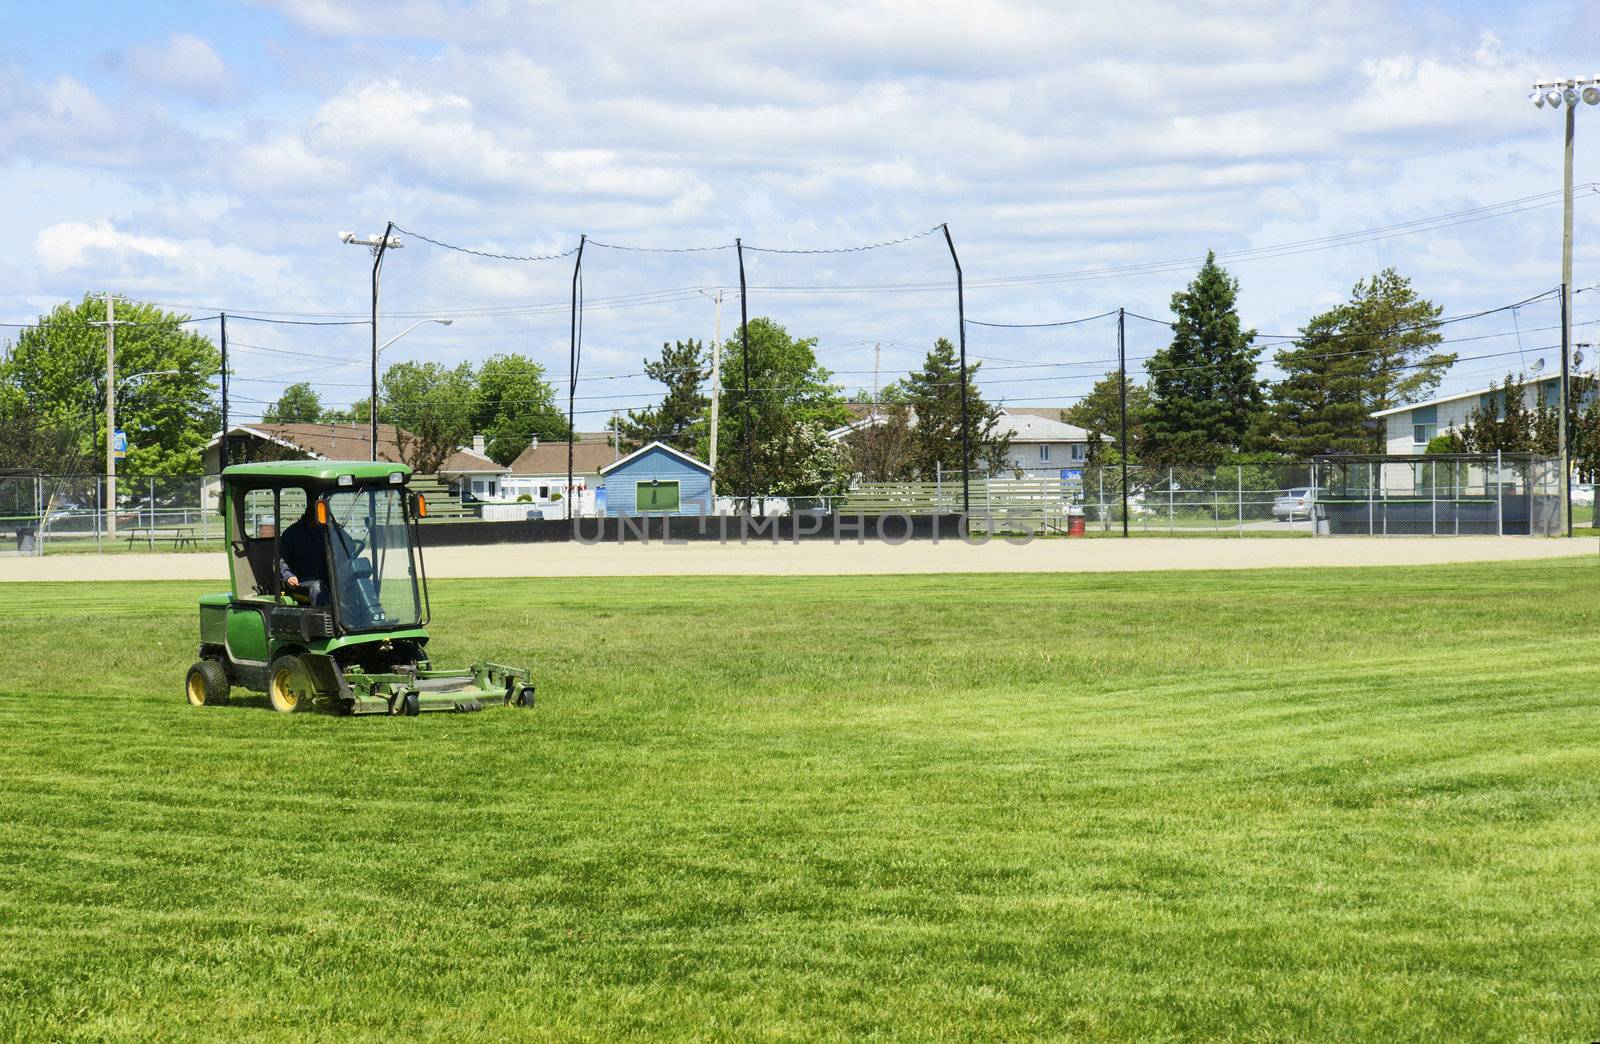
[[379, 245], [1556, 94]]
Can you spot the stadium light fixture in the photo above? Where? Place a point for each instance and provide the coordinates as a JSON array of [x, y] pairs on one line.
[[1555, 93], [1537, 97]]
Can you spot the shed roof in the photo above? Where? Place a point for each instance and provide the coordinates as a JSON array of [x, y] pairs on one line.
[[682, 457]]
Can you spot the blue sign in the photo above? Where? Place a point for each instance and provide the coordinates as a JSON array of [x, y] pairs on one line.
[[119, 443], [600, 500], [1072, 475]]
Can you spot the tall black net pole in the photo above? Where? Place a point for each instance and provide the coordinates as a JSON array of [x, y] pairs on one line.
[[966, 428], [572, 368], [222, 450], [1122, 405], [377, 267], [744, 341]]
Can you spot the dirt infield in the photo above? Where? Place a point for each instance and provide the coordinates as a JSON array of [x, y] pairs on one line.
[[825, 558]]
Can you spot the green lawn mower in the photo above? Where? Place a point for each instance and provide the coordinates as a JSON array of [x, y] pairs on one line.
[[329, 607]]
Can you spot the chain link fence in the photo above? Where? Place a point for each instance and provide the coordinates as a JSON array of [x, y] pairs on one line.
[[42, 514], [1368, 496]]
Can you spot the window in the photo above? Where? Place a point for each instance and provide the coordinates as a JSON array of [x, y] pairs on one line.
[[655, 495], [1079, 451], [1044, 453], [1422, 434]]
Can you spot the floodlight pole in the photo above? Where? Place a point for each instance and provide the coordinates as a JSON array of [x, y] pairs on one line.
[[111, 417], [966, 434], [1562, 428], [744, 341], [572, 367], [1122, 405]]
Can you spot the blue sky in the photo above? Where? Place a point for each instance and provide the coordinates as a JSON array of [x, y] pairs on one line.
[[206, 155]]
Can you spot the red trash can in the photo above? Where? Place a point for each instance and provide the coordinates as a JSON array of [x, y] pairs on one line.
[[1075, 521]]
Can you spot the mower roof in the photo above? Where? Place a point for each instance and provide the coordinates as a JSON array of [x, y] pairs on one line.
[[317, 472]]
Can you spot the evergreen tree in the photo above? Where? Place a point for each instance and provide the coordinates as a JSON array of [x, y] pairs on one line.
[[1373, 352], [681, 421], [934, 395], [1203, 388]]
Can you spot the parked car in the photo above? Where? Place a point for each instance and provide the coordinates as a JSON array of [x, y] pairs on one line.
[[1294, 503]]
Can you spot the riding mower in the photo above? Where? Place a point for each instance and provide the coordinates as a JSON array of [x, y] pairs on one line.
[[331, 612]]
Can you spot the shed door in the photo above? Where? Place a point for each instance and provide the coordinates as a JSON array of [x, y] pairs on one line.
[[656, 495]]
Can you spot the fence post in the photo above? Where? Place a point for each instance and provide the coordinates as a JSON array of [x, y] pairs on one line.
[[99, 508], [1499, 499], [1433, 499], [1169, 502], [1216, 503], [1241, 497], [1370, 525]]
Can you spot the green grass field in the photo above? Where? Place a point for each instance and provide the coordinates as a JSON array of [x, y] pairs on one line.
[[1318, 804]]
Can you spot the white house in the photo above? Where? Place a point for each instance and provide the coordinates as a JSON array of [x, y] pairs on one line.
[[1408, 429], [1042, 445]]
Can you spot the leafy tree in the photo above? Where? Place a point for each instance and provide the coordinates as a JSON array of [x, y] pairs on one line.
[[934, 395], [57, 368], [1583, 436], [1203, 388], [681, 420], [884, 449], [788, 391], [33, 440], [514, 403], [1506, 423], [431, 405], [1446, 442], [298, 404], [1373, 352], [1100, 414]]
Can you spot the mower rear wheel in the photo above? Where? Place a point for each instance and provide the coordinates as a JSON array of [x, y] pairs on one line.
[[288, 685], [207, 684]]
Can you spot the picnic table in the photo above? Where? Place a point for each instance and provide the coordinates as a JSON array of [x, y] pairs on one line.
[[179, 536]]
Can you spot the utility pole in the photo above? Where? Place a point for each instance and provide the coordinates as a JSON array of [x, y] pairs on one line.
[[1122, 406], [111, 418], [716, 383], [877, 357]]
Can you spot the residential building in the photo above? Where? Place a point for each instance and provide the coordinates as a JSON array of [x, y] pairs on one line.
[[540, 471], [1408, 429]]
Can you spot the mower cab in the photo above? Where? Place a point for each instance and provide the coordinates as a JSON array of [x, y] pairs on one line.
[[329, 601]]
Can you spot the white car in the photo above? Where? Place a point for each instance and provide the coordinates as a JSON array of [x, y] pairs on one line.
[[1294, 503]]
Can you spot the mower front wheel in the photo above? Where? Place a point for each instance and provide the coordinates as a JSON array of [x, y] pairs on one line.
[[288, 685], [206, 684]]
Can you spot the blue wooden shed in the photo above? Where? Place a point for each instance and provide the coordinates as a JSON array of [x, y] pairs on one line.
[[657, 480]]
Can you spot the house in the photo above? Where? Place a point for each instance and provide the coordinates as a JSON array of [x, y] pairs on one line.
[[540, 471], [1408, 429], [1042, 444], [1043, 447], [657, 480], [466, 468]]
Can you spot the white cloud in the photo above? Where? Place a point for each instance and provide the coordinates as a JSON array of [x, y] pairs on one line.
[[185, 65]]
